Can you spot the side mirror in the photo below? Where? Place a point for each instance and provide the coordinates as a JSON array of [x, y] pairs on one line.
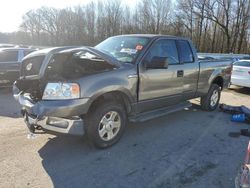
[[157, 63]]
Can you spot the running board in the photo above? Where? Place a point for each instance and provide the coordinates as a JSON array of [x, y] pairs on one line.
[[145, 116]]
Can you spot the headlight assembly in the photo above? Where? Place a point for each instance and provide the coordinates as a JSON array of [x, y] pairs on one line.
[[61, 91]]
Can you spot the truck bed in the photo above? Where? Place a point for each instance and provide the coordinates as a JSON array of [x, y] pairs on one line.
[[211, 68]]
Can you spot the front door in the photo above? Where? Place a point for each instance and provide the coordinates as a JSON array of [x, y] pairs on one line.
[[160, 86]]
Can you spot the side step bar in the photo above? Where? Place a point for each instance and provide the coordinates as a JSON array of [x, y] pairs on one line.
[[159, 112]]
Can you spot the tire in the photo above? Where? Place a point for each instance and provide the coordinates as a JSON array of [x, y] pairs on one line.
[[210, 102], [99, 121]]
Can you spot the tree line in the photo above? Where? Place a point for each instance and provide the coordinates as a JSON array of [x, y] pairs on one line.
[[221, 26]]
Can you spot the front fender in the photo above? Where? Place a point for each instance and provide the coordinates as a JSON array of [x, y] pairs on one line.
[[111, 81], [109, 85]]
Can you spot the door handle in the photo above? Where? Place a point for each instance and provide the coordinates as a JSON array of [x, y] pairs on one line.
[[180, 73]]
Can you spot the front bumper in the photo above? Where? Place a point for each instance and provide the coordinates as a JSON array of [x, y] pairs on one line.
[[73, 126], [62, 116]]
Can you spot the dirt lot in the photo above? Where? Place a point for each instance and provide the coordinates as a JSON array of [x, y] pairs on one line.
[[190, 148]]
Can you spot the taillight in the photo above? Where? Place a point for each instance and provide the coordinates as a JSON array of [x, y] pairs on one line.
[[248, 72]]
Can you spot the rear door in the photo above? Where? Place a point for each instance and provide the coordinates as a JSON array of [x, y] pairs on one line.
[[160, 87], [190, 68]]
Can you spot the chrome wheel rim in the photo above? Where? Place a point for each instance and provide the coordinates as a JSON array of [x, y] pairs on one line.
[[109, 125], [214, 98]]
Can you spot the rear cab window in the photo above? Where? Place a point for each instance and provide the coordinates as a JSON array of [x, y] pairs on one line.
[[185, 52], [8, 56]]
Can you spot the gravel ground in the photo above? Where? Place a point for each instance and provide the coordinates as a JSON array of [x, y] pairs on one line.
[[190, 148]]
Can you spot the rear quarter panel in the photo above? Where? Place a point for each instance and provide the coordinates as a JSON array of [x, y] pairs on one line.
[[209, 71]]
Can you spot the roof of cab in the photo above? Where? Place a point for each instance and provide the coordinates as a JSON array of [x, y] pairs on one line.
[[151, 36]]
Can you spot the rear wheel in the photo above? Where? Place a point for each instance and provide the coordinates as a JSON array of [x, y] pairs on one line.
[[105, 124], [210, 101]]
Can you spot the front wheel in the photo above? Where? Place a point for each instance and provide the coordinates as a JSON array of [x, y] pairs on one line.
[[210, 101], [105, 124]]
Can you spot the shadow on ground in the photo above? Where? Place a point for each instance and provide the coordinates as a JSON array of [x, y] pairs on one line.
[[241, 90], [8, 106], [180, 150]]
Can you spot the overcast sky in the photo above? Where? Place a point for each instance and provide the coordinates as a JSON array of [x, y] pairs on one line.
[[11, 11]]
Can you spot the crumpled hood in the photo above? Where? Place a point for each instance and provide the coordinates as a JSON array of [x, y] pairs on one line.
[[78, 62], [62, 65], [74, 60], [95, 54]]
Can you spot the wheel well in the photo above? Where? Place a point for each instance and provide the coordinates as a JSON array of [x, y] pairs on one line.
[[113, 96], [218, 81]]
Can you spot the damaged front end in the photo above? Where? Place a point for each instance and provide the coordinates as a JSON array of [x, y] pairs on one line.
[[49, 89]]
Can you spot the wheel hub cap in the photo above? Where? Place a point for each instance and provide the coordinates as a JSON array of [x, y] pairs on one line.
[[109, 125], [214, 98]]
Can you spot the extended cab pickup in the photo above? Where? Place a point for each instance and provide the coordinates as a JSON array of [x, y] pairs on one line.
[[129, 77]]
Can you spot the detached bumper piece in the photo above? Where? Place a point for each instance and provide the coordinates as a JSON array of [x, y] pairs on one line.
[[72, 126]]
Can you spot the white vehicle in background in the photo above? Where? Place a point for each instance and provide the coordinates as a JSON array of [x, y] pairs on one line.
[[241, 73]]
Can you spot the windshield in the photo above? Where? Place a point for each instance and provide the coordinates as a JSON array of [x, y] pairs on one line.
[[124, 49]]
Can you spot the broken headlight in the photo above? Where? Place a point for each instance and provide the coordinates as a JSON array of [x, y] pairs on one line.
[[60, 91]]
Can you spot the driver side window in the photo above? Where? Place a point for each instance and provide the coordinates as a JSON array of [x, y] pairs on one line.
[[165, 48]]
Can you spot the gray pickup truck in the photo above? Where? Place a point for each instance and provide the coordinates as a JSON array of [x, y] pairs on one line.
[[96, 90]]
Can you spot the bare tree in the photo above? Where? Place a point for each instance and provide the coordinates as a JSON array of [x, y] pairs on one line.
[[154, 15], [213, 25]]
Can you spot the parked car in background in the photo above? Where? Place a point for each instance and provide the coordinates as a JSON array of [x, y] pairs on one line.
[[127, 77], [241, 73], [10, 63], [7, 45]]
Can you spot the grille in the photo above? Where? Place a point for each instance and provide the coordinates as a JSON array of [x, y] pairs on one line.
[[35, 64]]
